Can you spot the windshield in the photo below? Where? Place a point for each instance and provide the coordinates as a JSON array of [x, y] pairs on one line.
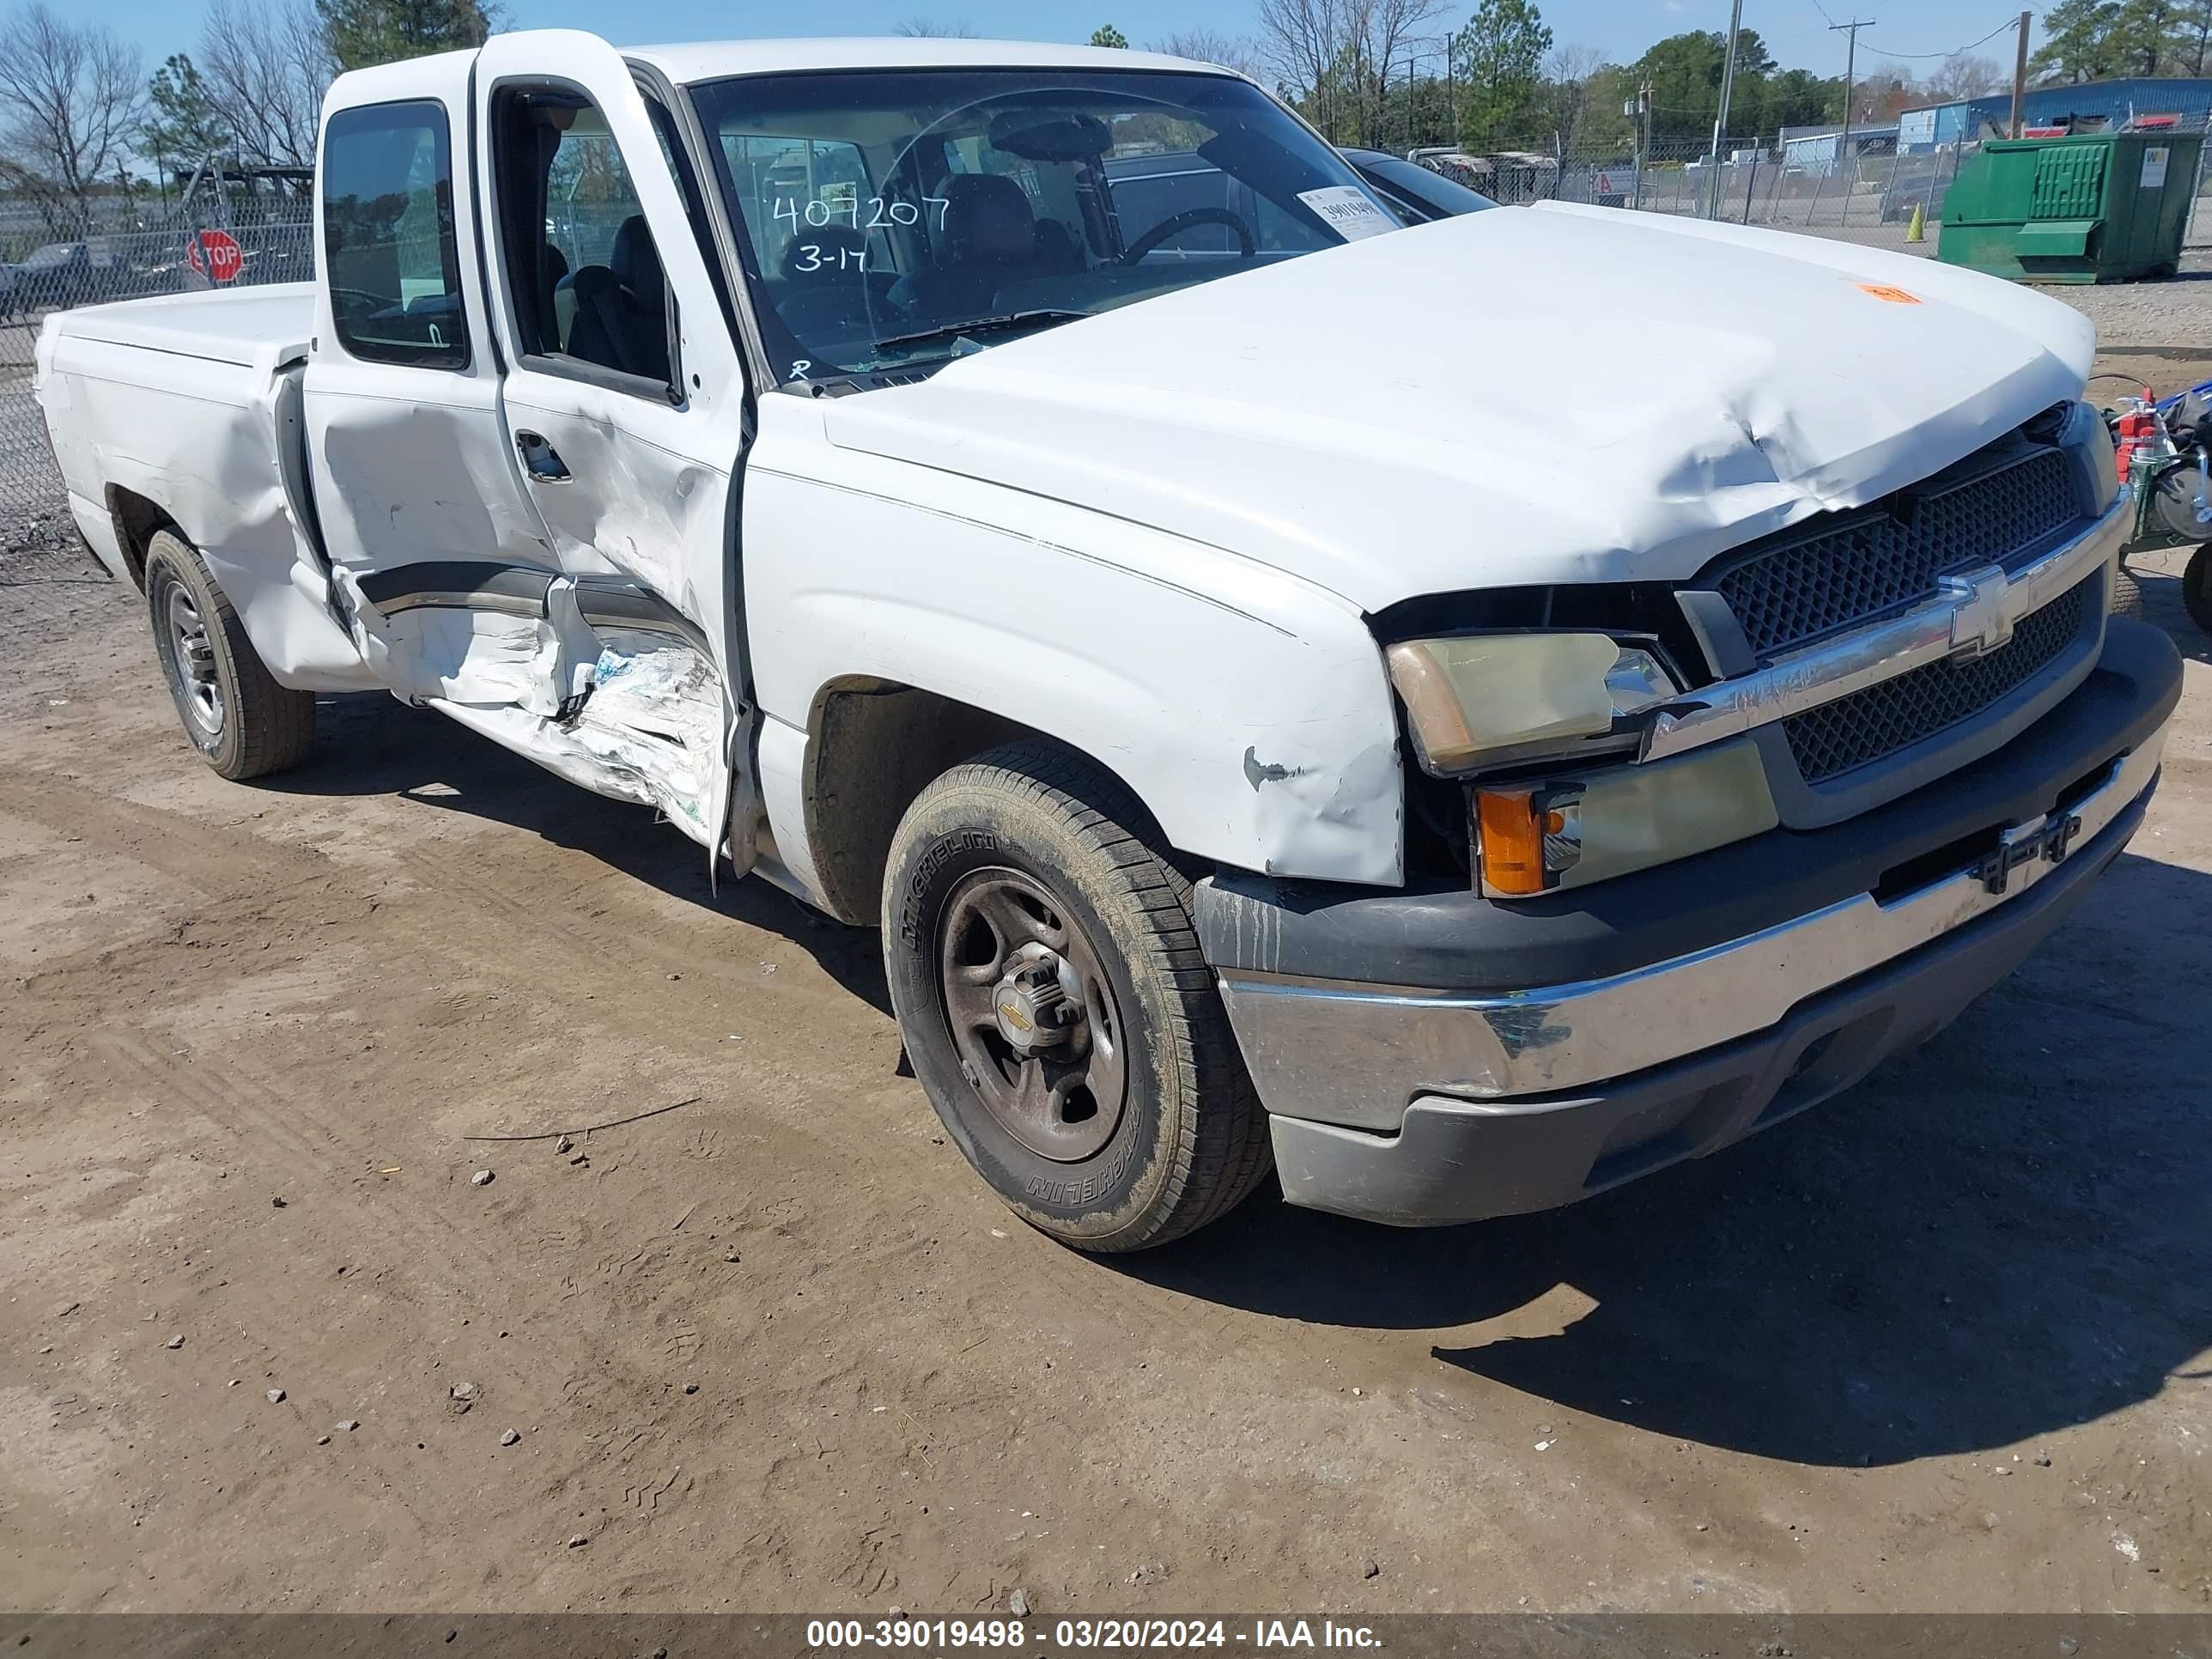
[[899, 218]]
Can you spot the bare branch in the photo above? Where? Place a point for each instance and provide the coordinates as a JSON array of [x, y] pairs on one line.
[[268, 62], [931, 28], [1205, 45], [72, 96]]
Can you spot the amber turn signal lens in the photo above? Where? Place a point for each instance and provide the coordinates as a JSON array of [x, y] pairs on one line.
[[1511, 841]]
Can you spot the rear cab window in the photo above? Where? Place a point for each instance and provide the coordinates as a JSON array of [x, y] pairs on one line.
[[388, 247]]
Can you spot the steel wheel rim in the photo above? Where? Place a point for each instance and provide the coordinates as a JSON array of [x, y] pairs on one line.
[[198, 684], [1063, 1102]]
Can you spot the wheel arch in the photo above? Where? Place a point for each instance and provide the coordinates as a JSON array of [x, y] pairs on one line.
[[136, 519], [874, 744]]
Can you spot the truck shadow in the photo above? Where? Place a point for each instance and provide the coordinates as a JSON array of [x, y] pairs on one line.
[[2162, 605], [2002, 1235], [369, 744]]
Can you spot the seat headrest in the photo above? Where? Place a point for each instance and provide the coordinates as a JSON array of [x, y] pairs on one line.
[[636, 264], [988, 216]]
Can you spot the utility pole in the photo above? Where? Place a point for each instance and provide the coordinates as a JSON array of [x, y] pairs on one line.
[[1851, 34], [1640, 107], [1451, 97], [1720, 118], [2019, 75]]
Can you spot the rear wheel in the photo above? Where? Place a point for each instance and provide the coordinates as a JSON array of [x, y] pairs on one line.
[[1057, 1008], [243, 723]]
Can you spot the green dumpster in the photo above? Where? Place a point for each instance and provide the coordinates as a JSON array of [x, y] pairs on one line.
[[2098, 207]]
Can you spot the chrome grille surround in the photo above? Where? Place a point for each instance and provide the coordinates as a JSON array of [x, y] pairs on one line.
[[1840, 737], [1941, 626], [1873, 562]]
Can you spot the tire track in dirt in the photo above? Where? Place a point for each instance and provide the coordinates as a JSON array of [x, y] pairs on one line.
[[468, 914], [502, 892]]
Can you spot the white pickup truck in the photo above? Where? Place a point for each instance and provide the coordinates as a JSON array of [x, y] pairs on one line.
[[1290, 688]]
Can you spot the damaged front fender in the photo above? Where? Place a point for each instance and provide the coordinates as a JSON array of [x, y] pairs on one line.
[[1248, 708]]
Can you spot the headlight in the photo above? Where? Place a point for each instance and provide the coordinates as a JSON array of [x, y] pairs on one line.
[[1534, 838], [1484, 698]]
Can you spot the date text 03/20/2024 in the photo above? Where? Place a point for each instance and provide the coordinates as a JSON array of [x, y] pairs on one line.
[[833, 1635]]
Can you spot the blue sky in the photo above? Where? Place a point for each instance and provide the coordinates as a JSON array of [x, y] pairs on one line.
[[1795, 30]]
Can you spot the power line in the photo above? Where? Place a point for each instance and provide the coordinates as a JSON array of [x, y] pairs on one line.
[[2001, 28]]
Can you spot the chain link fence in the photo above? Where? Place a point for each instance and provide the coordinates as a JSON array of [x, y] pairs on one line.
[[126, 265], [1803, 183]]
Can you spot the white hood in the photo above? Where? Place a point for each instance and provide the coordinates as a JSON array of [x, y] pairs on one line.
[[1524, 396]]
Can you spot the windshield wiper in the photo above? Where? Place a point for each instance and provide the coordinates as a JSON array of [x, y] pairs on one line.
[[1038, 319]]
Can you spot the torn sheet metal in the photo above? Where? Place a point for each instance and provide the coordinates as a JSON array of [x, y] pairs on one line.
[[649, 727], [658, 716]]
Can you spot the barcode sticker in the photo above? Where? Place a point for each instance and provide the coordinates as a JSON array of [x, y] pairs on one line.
[[1349, 211]]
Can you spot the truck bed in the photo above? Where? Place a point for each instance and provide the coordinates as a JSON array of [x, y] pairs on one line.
[[255, 328], [186, 408]]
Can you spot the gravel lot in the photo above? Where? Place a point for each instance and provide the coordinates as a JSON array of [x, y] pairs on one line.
[[1940, 1345]]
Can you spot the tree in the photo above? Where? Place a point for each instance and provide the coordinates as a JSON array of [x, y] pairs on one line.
[[1603, 128], [1570, 73], [2196, 34], [363, 33], [183, 124], [2079, 42], [1959, 77], [268, 64], [1684, 71], [1107, 35], [931, 28], [1879, 96], [1341, 61], [2151, 36], [1501, 51], [1752, 56], [1799, 98], [1302, 42], [72, 101], [1204, 46]]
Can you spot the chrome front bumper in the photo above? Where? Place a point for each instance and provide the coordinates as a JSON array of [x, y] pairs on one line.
[[1357, 1055]]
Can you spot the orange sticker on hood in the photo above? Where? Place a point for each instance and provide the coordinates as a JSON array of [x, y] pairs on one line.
[[1896, 297]]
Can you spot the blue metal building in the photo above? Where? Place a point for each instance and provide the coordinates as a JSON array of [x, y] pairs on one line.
[[2093, 105]]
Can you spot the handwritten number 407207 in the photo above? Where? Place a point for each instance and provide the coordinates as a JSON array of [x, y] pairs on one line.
[[861, 213]]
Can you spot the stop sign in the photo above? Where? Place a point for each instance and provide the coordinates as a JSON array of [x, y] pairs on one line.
[[216, 255]]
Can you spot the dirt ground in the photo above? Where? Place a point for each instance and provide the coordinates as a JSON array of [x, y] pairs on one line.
[[1940, 1345]]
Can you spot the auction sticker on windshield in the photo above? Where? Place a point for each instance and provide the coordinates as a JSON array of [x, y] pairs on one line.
[[1348, 210]]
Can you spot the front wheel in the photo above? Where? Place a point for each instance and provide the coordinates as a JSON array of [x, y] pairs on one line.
[[1057, 1008], [243, 723]]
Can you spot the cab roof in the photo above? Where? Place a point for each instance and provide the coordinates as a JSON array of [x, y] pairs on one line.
[[714, 60]]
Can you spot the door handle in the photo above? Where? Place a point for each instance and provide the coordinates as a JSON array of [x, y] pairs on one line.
[[541, 462]]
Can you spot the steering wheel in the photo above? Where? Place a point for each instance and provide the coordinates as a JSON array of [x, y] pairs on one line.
[[1177, 223], [354, 305]]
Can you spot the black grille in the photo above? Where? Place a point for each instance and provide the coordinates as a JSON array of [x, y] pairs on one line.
[[1869, 726], [1802, 589]]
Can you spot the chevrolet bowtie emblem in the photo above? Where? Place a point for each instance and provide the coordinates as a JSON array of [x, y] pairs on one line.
[[1981, 618]]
